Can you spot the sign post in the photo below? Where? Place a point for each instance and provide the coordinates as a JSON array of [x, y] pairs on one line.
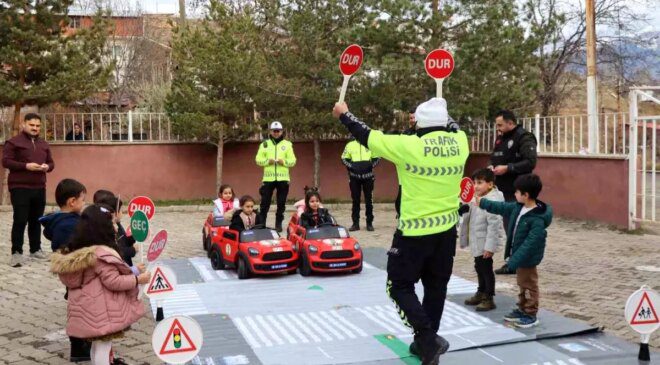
[[642, 315], [349, 63], [177, 339], [439, 65]]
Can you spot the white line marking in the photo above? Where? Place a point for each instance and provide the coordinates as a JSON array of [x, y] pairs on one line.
[[258, 331], [491, 356], [282, 330], [246, 333], [575, 361], [548, 363], [292, 328], [209, 361], [367, 265], [269, 330], [324, 324], [332, 321], [305, 328], [348, 324], [389, 315], [315, 326], [324, 353], [560, 362], [374, 319]]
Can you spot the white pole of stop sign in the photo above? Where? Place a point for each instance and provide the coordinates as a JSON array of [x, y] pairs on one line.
[[438, 87], [344, 86]]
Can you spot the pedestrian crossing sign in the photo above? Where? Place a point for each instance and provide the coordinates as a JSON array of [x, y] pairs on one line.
[[645, 312], [162, 283]]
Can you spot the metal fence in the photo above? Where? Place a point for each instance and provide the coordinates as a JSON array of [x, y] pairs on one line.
[[101, 127], [563, 134]]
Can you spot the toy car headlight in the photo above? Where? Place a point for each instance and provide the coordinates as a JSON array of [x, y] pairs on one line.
[[313, 249], [253, 251], [356, 246]]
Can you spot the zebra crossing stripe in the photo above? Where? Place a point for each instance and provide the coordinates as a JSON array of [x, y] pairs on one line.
[[314, 326], [291, 328], [326, 325], [269, 329], [246, 333], [330, 320], [560, 362], [279, 327], [348, 324], [388, 313], [258, 331], [309, 332], [369, 315], [210, 361], [575, 361]]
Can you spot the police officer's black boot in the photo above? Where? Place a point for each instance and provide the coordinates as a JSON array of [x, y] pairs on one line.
[[430, 346], [354, 227], [414, 348], [370, 227], [80, 349]]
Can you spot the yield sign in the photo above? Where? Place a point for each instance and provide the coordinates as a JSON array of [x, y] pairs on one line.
[[177, 340], [159, 283], [645, 312]]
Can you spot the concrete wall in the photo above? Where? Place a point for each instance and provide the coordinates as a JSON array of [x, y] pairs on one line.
[[587, 188]]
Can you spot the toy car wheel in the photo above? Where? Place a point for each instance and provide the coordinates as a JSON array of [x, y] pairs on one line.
[[291, 272], [305, 269], [204, 242], [358, 270], [216, 259], [209, 246], [243, 269]]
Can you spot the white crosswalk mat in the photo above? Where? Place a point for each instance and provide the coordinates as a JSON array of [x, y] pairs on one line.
[[184, 301], [570, 361], [203, 266]]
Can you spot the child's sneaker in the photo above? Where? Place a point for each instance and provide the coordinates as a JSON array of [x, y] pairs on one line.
[[514, 316], [527, 321]]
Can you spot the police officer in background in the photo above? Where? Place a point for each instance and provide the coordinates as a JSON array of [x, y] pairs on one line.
[[514, 154], [360, 163], [276, 156], [430, 166]]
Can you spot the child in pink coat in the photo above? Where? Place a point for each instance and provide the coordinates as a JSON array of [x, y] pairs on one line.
[[102, 289]]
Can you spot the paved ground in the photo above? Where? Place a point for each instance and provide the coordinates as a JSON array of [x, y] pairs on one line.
[[588, 272]]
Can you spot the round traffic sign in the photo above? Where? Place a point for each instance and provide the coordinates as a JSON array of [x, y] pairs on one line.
[[439, 64], [157, 245], [142, 203], [177, 340], [467, 190], [351, 60], [139, 226], [642, 310]]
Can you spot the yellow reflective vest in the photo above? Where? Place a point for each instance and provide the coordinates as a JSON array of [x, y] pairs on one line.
[[430, 169], [281, 151]]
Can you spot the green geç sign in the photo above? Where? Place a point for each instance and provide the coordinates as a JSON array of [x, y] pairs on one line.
[[139, 226]]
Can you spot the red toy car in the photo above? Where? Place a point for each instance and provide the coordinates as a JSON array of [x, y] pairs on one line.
[[326, 248], [212, 230], [255, 251]]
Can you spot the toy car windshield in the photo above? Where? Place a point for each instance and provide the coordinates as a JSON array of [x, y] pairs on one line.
[[220, 222], [260, 234], [323, 232]]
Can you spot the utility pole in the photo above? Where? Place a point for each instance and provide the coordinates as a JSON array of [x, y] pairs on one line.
[[182, 11], [592, 96]]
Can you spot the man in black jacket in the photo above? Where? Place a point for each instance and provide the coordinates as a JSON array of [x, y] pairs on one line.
[[514, 155]]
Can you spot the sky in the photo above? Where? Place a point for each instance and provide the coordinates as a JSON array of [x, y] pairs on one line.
[[643, 6]]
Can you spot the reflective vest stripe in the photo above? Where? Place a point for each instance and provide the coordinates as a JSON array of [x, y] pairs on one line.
[[434, 171], [428, 222]]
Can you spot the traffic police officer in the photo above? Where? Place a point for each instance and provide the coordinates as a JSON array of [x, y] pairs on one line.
[[276, 156], [430, 166], [360, 163]]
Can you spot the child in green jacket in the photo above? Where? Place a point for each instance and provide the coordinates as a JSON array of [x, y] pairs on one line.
[[528, 220]]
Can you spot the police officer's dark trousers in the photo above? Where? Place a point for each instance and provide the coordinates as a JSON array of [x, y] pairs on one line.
[[429, 258], [266, 192], [358, 186]]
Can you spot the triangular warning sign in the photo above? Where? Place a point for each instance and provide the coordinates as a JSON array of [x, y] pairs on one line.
[[159, 283], [645, 313], [177, 340]]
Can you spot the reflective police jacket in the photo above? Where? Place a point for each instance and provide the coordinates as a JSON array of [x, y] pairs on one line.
[[429, 165], [359, 161], [275, 150], [515, 149]]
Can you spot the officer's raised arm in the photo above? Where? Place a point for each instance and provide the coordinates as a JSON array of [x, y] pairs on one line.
[[358, 129]]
